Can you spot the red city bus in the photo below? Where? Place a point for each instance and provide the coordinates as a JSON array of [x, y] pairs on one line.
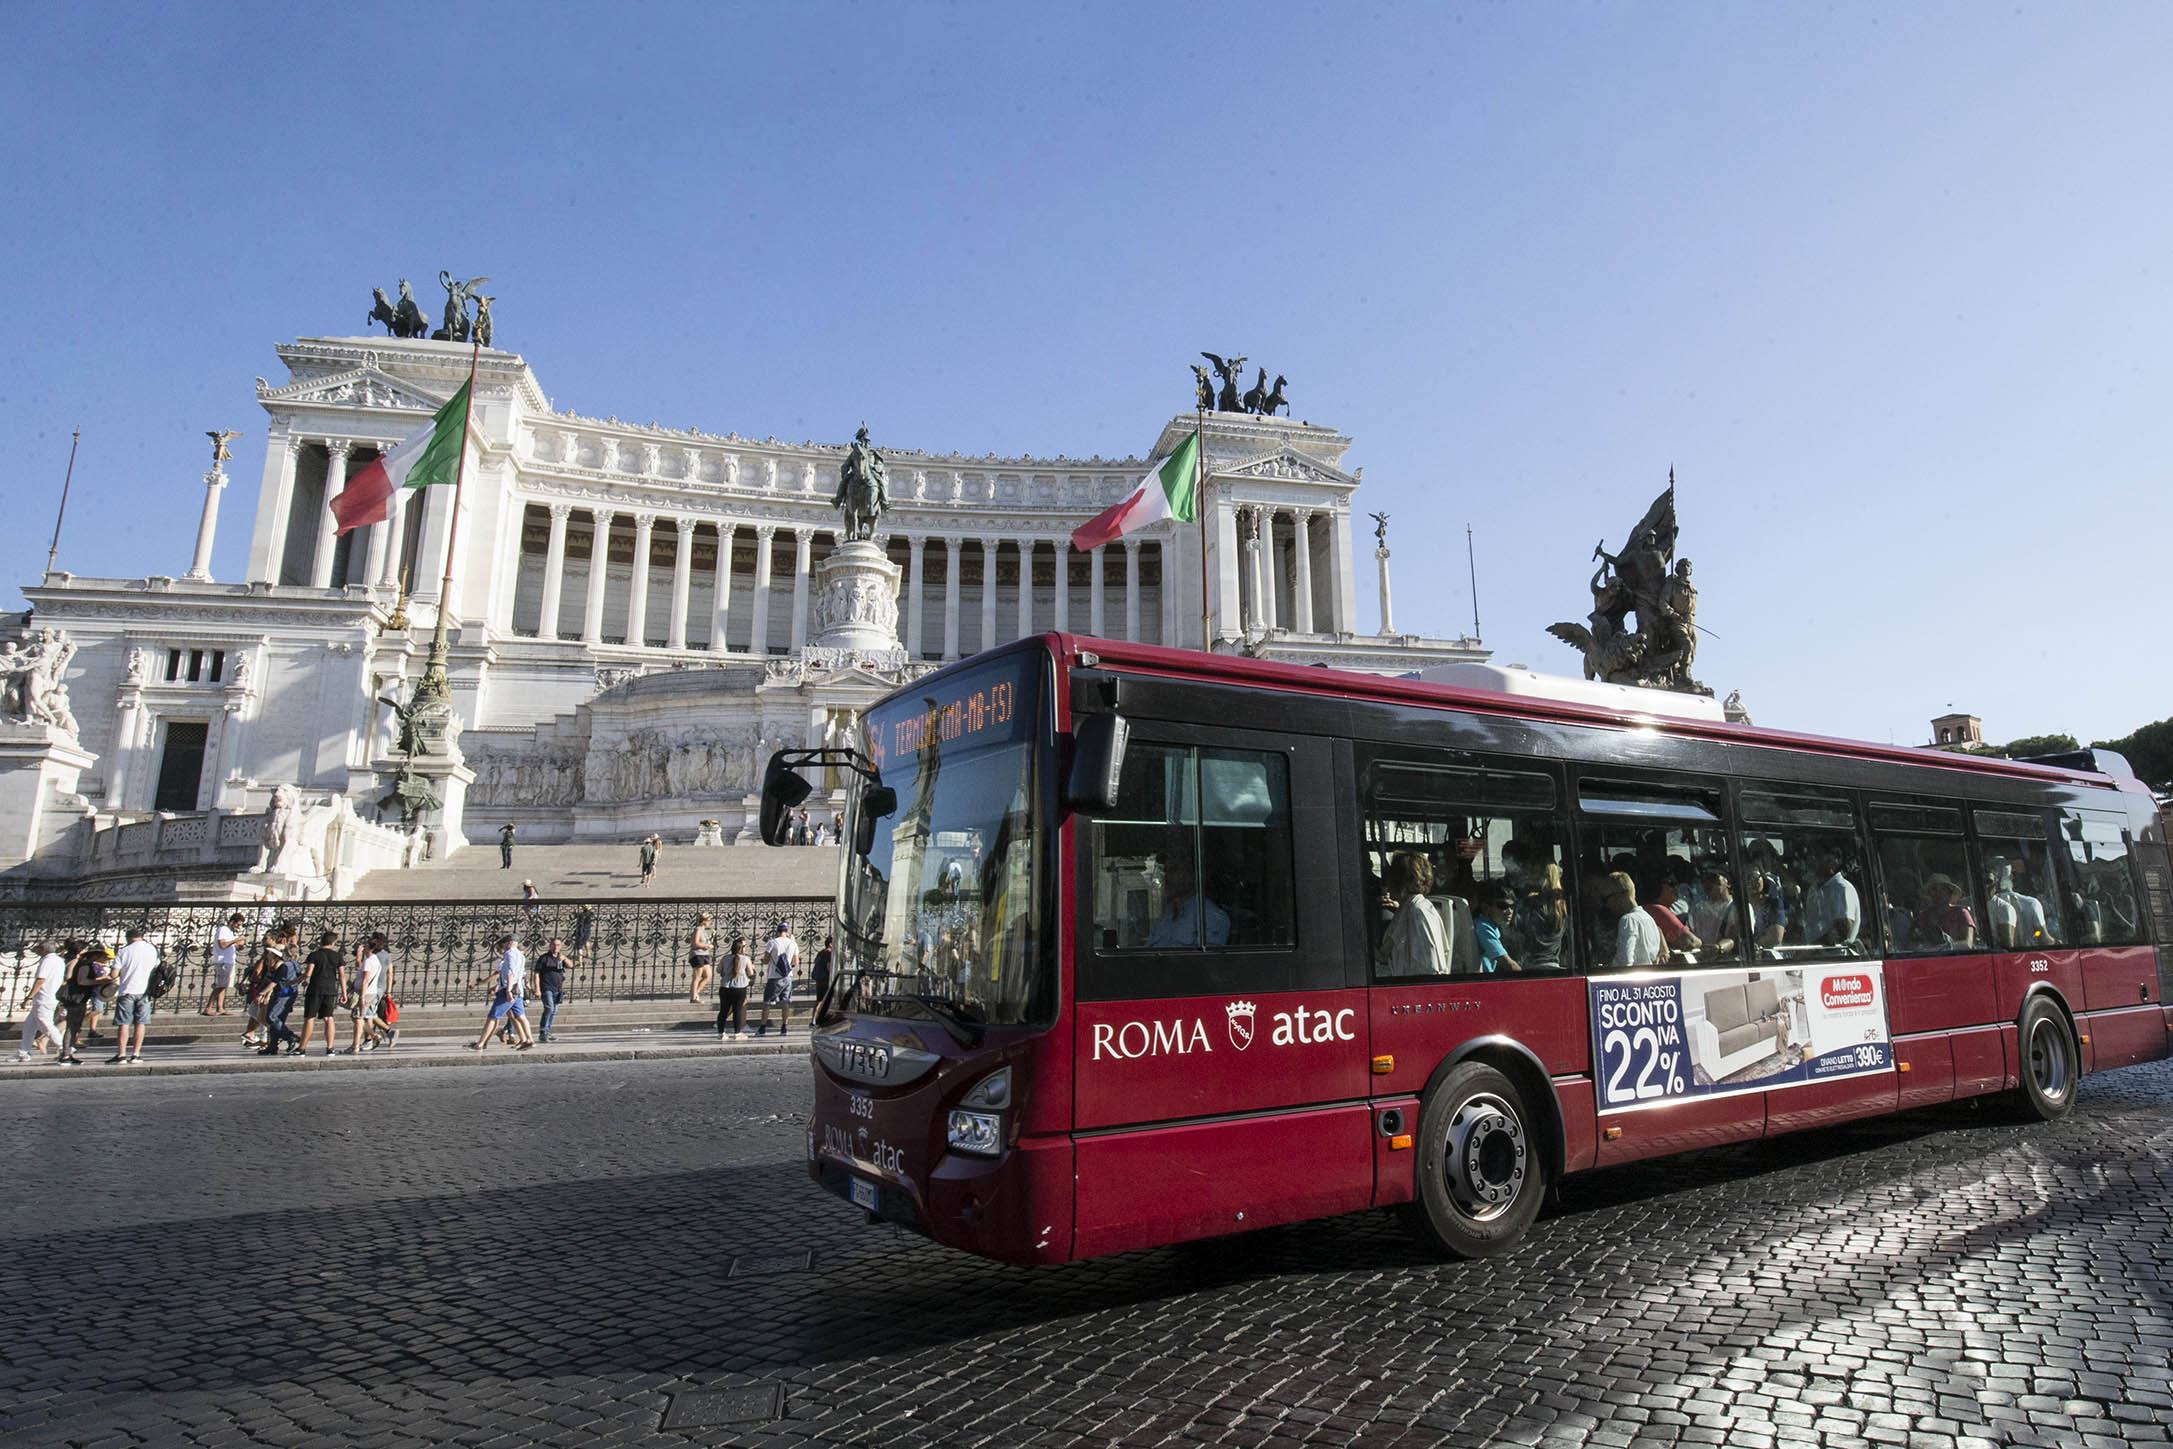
[[1142, 945]]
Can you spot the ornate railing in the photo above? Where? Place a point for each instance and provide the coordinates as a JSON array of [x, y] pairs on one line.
[[442, 951]]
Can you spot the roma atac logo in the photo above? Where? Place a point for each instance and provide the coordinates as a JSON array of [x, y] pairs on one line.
[[1241, 1022]]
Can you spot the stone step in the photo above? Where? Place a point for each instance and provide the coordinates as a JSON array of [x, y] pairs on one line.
[[463, 1020], [577, 872]]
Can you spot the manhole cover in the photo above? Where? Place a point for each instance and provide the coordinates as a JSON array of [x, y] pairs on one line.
[[699, 1408], [764, 1265]]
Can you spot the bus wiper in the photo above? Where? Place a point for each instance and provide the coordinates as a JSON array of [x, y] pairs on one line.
[[963, 1029]]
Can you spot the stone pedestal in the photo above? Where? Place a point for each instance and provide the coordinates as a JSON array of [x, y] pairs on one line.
[[40, 767], [451, 778], [856, 609]]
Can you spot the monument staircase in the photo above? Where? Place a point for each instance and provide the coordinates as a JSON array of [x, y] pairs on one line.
[[569, 874]]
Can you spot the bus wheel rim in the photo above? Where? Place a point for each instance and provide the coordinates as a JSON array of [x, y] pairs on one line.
[[1488, 1157], [2048, 1059]]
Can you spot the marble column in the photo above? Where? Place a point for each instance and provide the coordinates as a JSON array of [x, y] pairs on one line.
[[1388, 618], [637, 600], [207, 526], [914, 640], [952, 543], [1342, 588], [592, 617], [335, 478], [1227, 565], [758, 635], [1097, 623], [682, 579], [554, 571], [988, 592], [1131, 589], [1301, 603], [1061, 547], [1165, 555], [1027, 550], [1271, 563], [273, 563], [1248, 525], [719, 639], [386, 560], [803, 563]]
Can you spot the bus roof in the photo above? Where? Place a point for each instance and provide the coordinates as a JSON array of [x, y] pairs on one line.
[[1318, 679]]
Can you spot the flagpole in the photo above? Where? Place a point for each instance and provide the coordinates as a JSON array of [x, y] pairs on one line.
[[54, 552], [1199, 494], [434, 683]]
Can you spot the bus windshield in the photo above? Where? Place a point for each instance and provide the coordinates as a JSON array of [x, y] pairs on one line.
[[943, 915]]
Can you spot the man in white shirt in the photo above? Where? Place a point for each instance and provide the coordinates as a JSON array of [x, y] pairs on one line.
[[1832, 913], [132, 996], [38, 1025], [1179, 923], [1637, 934], [511, 977], [225, 937], [782, 956]]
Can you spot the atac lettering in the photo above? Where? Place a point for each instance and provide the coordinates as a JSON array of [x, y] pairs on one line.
[[1307, 1026], [1187, 1036]]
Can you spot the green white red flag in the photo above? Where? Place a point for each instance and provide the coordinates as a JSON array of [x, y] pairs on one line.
[[431, 456], [1171, 490]]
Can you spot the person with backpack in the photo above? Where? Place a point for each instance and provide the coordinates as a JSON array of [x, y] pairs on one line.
[[132, 996], [783, 957], [284, 987], [88, 973], [45, 982]]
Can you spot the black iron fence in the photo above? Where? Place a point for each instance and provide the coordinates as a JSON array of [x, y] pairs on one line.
[[442, 951]]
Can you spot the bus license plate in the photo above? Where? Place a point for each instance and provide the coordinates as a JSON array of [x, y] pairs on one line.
[[865, 1195]]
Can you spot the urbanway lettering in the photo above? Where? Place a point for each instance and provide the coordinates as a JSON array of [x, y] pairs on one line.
[[1187, 1036]]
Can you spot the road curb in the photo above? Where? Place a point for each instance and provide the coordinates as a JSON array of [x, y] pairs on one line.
[[97, 1069]]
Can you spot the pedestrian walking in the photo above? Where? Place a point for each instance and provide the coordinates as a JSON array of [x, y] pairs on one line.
[[132, 997], [551, 987], [584, 932], [322, 990], [257, 984], [505, 846], [367, 1002], [782, 958], [38, 1024], [700, 951], [283, 987], [510, 978], [732, 993], [225, 941], [89, 971], [649, 848], [825, 966], [530, 901], [101, 997]]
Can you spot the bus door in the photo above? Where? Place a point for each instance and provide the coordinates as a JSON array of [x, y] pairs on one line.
[[1221, 1071], [1468, 931]]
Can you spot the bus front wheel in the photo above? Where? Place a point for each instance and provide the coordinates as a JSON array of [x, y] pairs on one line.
[[1481, 1168], [2051, 1062]]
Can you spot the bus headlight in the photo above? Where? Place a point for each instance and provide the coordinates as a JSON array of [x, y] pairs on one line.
[[980, 1133]]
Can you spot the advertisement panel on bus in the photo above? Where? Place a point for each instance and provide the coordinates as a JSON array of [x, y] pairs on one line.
[[1661, 1037]]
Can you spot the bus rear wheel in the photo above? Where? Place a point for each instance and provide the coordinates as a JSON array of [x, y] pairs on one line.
[[1481, 1172], [2051, 1062]]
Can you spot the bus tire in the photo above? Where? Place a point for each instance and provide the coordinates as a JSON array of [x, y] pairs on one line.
[[2051, 1061], [1482, 1167]]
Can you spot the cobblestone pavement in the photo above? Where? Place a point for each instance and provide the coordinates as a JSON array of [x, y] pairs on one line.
[[548, 1256]]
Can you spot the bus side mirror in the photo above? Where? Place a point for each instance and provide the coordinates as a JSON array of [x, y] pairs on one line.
[[782, 792], [876, 802], [1097, 763]]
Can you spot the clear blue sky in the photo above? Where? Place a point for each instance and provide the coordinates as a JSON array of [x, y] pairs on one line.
[[1889, 286]]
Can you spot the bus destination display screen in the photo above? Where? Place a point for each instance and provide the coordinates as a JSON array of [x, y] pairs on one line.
[[973, 711]]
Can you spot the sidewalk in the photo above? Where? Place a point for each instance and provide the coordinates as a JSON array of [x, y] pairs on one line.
[[596, 1045]]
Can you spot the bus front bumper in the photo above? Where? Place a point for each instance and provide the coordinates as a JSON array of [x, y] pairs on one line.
[[1015, 1208]]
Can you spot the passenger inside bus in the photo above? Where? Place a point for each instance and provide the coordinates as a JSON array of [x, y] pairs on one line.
[[1182, 909], [1943, 922], [1661, 905], [1542, 916], [1715, 918], [1832, 910], [1637, 938], [1415, 943], [1496, 913], [2017, 918]]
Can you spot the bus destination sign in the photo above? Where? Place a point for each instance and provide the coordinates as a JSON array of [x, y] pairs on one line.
[[971, 712]]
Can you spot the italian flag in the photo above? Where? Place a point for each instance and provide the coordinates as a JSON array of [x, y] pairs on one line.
[[431, 456], [1170, 491]]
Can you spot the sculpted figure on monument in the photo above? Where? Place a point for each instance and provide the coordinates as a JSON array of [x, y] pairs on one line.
[[220, 453], [863, 492], [402, 320], [1228, 402], [482, 320], [1645, 581], [456, 306], [31, 690], [381, 311], [1275, 402], [1203, 390], [1256, 396]]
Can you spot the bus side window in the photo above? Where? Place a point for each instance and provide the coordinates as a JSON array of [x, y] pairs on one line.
[[1198, 853], [1462, 870], [2100, 889], [1928, 901], [1803, 874], [1653, 856], [2021, 896]]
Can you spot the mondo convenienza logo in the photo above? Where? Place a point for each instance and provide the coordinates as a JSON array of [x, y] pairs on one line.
[[1840, 991]]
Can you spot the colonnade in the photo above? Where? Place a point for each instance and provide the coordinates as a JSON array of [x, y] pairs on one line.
[[1278, 590], [379, 547], [1046, 565]]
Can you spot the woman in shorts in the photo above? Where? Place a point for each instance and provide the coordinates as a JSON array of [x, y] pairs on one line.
[[367, 1002], [732, 993], [699, 955]]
